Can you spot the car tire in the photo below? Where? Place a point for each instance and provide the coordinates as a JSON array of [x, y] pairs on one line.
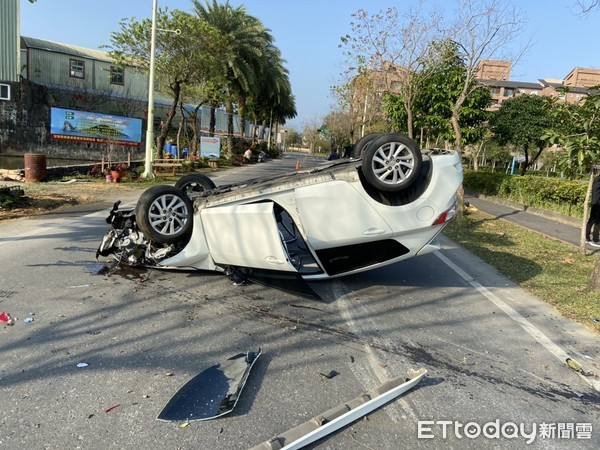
[[194, 183], [164, 214], [363, 143], [391, 162]]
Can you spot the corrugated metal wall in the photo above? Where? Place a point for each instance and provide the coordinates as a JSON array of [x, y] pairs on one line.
[[52, 69], [9, 40]]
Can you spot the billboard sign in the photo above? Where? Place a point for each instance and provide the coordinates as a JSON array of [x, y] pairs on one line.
[[210, 147], [83, 126]]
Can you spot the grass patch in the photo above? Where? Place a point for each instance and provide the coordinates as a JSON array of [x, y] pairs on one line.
[[40, 198], [549, 270]]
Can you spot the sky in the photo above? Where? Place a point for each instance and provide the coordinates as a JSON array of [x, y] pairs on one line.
[[308, 33]]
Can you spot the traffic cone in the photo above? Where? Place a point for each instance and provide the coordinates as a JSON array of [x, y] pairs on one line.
[[297, 165]]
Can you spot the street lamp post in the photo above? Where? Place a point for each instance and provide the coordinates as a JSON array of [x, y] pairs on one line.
[[364, 118], [270, 130], [150, 125]]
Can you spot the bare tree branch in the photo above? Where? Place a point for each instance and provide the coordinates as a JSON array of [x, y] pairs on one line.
[[586, 6], [484, 29], [391, 53]]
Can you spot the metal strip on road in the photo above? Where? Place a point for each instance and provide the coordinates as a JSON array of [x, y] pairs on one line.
[[548, 344], [338, 417]]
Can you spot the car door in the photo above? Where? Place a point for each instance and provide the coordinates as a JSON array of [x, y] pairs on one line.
[[335, 214], [245, 235]]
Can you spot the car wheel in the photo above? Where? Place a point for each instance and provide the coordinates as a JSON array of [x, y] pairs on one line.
[[164, 214], [391, 162], [363, 143], [194, 183]]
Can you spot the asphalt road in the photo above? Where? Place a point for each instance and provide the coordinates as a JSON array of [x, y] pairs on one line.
[[495, 356]]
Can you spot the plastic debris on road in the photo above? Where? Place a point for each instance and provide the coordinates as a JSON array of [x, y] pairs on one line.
[[329, 375], [5, 317], [574, 365], [112, 407], [212, 393]]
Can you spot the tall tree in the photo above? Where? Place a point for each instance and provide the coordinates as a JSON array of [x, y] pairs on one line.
[[523, 122], [577, 129], [392, 53], [343, 99], [182, 58], [271, 99], [437, 95], [251, 45], [483, 29], [338, 125]]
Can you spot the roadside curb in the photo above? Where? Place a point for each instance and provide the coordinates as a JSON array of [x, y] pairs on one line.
[[557, 217]]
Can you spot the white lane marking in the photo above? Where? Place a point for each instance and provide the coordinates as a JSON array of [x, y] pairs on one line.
[[347, 303], [548, 344]]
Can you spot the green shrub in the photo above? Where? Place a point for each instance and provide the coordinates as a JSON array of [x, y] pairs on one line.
[[10, 197], [224, 162], [486, 183], [554, 194]]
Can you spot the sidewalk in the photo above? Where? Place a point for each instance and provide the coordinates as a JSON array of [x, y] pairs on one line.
[[555, 226]]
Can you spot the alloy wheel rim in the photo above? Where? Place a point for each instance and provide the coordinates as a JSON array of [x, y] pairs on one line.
[[168, 214], [393, 163]]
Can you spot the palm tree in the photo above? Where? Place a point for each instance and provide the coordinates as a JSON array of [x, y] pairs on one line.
[[252, 63], [272, 97], [245, 36]]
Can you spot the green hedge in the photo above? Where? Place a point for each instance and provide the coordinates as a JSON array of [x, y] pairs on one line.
[[553, 194]]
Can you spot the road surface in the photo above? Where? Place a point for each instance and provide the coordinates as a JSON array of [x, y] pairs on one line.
[[495, 356]]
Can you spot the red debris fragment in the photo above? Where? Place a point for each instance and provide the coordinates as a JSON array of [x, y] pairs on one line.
[[5, 317], [112, 407]]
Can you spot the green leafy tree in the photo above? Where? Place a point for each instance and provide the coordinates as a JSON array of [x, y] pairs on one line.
[[577, 129], [437, 96], [389, 52], [184, 58], [271, 100], [432, 107], [248, 68], [496, 154], [523, 121]]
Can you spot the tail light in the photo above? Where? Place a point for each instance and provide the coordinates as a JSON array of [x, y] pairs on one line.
[[447, 215]]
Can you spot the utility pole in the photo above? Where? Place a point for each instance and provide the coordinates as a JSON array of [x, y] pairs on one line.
[[150, 118]]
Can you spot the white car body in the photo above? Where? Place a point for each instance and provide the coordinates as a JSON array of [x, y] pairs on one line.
[[317, 224]]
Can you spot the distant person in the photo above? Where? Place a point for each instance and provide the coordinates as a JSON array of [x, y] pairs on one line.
[[247, 155], [593, 223], [334, 155]]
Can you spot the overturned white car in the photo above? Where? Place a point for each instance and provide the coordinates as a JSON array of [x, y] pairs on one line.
[[339, 218]]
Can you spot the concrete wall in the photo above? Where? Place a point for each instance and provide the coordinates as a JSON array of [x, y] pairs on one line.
[[25, 128]]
